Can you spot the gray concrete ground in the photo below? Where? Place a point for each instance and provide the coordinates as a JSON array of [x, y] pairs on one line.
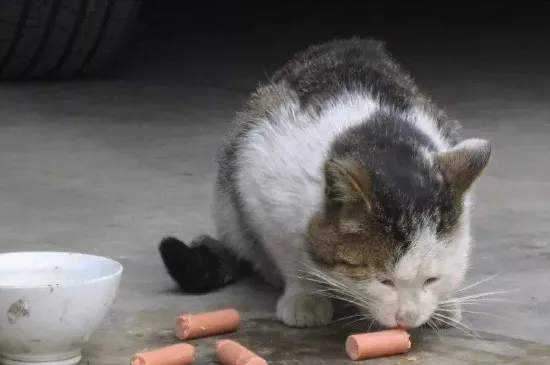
[[110, 166]]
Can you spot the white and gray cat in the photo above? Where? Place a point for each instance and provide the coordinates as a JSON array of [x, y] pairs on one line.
[[340, 179]]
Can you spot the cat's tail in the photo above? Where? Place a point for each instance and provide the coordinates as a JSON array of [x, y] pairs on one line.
[[203, 266]]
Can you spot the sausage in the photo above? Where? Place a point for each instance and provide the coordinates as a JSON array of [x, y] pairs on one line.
[[178, 354], [190, 326], [232, 353], [375, 344]]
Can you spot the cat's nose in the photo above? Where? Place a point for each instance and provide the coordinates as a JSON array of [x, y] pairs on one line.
[[403, 320], [402, 324]]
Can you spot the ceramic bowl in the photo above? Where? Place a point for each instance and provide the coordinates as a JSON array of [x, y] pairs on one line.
[[51, 303]]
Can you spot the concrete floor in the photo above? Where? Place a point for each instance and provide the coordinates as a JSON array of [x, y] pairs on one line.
[[110, 166]]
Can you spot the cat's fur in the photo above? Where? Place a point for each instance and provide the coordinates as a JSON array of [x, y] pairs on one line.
[[340, 174]]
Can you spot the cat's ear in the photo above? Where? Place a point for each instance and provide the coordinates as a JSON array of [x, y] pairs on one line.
[[348, 185], [463, 163]]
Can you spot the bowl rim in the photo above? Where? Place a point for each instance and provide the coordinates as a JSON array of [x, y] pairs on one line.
[[118, 272]]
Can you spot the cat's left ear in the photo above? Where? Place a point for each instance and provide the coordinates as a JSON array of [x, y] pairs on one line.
[[464, 163], [348, 184]]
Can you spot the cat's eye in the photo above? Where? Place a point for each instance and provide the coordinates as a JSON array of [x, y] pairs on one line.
[[430, 281], [387, 282]]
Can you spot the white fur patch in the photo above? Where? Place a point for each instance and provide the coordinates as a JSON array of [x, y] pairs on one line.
[[419, 261], [281, 163], [428, 126], [412, 299], [429, 257]]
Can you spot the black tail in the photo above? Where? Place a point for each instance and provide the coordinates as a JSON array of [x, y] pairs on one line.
[[203, 266]]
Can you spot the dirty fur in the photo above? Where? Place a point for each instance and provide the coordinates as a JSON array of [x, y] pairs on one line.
[[339, 176]]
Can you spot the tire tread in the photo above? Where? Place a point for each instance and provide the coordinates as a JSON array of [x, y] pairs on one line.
[[62, 38]]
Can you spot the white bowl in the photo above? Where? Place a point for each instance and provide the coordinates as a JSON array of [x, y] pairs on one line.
[[51, 303]]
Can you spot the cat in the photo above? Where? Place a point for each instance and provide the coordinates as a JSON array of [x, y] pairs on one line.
[[340, 179]]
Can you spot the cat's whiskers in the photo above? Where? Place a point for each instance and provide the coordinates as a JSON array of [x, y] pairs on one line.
[[337, 294], [459, 325], [481, 313], [353, 316], [477, 302], [363, 318], [370, 325], [349, 294], [480, 295], [479, 282], [345, 297], [347, 300], [435, 329], [473, 299], [313, 280]]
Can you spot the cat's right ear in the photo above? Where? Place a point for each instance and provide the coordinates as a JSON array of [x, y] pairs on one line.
[[464, 163], [348, 190]]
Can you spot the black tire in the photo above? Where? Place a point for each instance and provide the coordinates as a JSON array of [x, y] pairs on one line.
[[62, 38]]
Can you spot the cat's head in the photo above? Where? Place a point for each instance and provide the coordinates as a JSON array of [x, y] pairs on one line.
[[394, 240]]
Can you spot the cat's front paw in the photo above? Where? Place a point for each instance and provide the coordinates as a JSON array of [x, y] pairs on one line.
[[448, 316], [296, 310]]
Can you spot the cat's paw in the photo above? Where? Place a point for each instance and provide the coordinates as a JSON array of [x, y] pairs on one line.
[[296, 310], [447, 317]]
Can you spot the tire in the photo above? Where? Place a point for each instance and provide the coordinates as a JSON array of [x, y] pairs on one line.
[[62, 38]]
